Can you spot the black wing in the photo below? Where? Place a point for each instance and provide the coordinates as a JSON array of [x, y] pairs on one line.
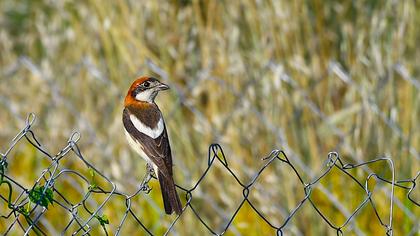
[[158, 150]]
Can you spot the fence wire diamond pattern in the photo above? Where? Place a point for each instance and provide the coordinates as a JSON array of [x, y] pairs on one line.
[[28, 207]]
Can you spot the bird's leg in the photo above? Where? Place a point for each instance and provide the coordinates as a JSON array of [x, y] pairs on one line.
[[145, 183]]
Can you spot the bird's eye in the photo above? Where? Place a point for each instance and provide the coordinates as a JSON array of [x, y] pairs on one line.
[[146, 84]]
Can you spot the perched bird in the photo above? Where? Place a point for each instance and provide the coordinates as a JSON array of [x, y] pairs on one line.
[[146, 133]]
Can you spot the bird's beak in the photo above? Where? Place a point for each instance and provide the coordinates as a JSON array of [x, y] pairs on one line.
[[162, 86]]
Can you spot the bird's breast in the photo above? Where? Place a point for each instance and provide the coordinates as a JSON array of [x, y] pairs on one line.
[[137, 147]]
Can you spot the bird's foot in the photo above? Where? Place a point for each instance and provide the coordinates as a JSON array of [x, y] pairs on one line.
[[146, 188], [145, 183], [149, 169]]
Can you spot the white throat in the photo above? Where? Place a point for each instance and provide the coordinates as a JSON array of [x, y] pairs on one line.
[[146, 95]]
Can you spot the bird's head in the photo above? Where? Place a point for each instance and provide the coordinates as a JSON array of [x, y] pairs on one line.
[[144, 89]]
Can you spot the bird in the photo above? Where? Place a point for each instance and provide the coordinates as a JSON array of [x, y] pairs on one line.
[[145, 131]]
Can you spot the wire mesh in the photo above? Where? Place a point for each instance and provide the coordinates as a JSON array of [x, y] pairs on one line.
[[28, 207]]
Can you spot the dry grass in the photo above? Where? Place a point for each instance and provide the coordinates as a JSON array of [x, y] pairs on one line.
[[304, 76]]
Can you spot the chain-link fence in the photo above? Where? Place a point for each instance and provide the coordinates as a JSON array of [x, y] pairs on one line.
[[27, 207], [303, 77]]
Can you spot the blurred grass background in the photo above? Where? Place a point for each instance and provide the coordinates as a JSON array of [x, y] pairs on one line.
[[307, 77]]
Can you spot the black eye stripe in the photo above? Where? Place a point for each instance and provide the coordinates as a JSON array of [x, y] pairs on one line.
[[143, 86]]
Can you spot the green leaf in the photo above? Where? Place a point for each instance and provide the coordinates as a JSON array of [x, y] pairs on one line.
[[38, 196], [92, 187], [103, 220], [22, 210], [93, 184], [92, 173]]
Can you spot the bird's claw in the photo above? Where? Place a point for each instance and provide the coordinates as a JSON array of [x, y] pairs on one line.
[[149, 173], [146, 188]]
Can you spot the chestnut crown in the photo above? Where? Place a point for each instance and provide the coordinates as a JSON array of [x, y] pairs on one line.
[[145, 89]]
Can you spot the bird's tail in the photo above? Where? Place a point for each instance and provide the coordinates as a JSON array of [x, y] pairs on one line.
[[170, 196]]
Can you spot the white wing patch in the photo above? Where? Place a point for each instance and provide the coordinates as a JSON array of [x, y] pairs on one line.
[[153, 133]]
